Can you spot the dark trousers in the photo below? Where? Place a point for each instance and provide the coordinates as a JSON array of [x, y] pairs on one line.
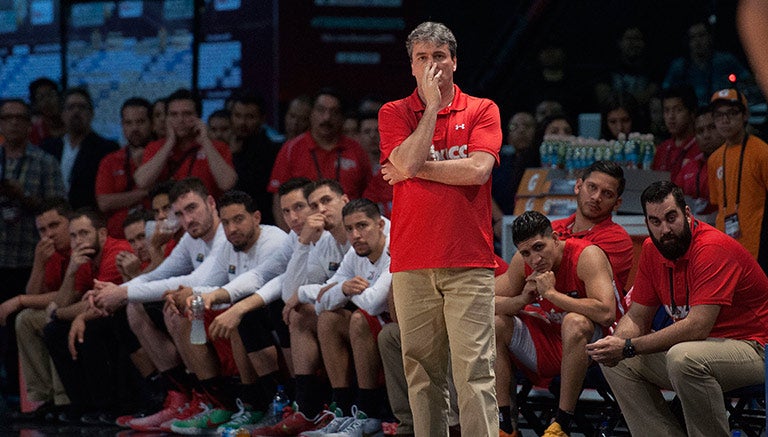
[[102, 378]]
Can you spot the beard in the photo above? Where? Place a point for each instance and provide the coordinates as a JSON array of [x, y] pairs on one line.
[[672, 246]]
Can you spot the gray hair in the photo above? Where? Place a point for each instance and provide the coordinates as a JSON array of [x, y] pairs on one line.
[[436, 33]]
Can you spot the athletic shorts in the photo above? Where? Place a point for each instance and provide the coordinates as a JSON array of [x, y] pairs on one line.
[[223, 347]]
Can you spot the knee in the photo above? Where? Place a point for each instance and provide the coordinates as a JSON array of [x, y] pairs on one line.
[[23, 320], [389, 338], [577, 326], [358, 326], [682, 361]]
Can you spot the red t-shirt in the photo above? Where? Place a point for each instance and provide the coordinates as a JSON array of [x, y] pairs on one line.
[[302, 157], [380, 192], [436, 225], [190, 163], [716, 270], [107, 270], [115, 172], [671, 158], [55, 268], [607, 235]]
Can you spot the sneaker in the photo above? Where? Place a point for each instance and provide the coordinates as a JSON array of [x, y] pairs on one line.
[[338, 423], [295, 423], [245, 418], [508, 434], [554, 430], [173, 403], [361, 425], [271, 419], [202, 422], [390, 428], [193, 408]]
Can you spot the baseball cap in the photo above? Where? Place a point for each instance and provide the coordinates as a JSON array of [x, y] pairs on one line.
[[729, 96]]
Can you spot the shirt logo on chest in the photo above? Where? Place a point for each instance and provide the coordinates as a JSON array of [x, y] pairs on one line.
[[460, 126], [200, 257], [232, 269]]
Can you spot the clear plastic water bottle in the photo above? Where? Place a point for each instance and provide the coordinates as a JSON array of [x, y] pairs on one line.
[[197, 334], [280, 401]]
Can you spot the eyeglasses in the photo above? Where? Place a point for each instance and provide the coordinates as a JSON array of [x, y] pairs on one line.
[[729, 114], [14, 117]]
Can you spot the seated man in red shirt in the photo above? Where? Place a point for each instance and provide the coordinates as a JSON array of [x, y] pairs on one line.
[[715, 293], [573, 284], [88, 381], [50, 263], [187, 150]]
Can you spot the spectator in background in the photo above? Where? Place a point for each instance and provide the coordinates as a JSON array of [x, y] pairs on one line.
[[158, 118], [519, 153], [548, 108], [378, 190], [704, 68], [253, 152], [116, 191], [351, 126], [187, 150], [220, 126], [80, 150], [738, 181], [324, 152], [558, 124], [631, 74], [679, 105], [45, 98], [297, 117], [27, 176], [708, 139], [619, 116]]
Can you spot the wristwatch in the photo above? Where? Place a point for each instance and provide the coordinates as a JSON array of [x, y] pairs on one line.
[[629, 349]]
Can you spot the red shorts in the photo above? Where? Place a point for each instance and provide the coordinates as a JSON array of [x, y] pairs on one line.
[[548, 343], [376, 322], [223, 347]]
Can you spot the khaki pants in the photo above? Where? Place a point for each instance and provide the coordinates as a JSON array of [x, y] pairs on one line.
[[699, 372], [448, 314], [391, 352], [42, 381]]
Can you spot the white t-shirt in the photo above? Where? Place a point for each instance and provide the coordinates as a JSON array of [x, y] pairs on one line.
[[190, 263], [372, 300]]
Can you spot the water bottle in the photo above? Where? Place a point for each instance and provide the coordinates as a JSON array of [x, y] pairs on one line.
[[604, 430], [280, 401], [197, 334]]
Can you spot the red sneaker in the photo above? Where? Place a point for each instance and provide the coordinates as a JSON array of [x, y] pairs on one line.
[[295, 423], [198, 404], [173, 403]]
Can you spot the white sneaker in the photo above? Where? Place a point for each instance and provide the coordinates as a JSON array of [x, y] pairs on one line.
[[360, 426], [337, 424]]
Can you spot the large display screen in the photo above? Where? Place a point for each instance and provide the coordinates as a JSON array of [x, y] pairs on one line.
[[121, 49], [30, 46]]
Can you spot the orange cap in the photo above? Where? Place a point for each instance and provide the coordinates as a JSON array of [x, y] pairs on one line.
[[729, 95]]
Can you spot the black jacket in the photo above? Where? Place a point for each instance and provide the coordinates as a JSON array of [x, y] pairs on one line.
[[82, 187]]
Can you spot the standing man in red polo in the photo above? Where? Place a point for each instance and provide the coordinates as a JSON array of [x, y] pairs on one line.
[[187, 150], [438, 147], [116, 191], [323, 152]]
